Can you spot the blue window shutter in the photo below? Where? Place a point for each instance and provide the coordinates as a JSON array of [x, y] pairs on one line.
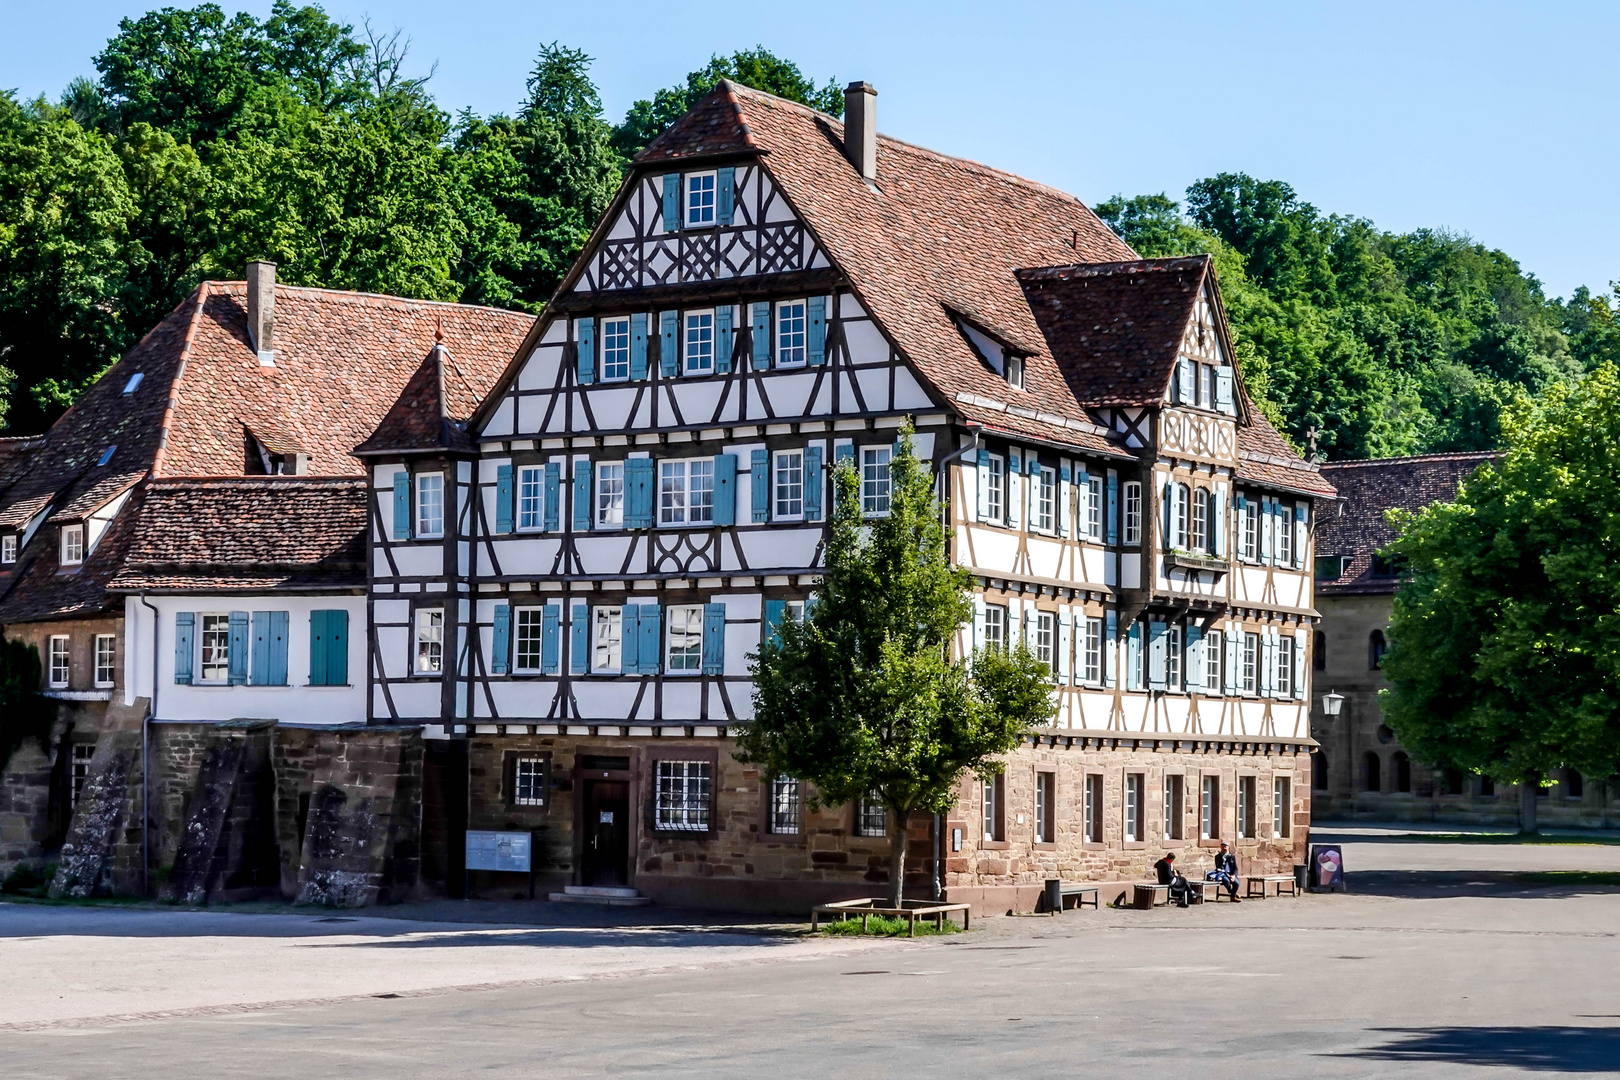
[[813, 483], [1014, 493], [629, 640], [582, 496], [724, 343], [1223, 389], [714, 639], [1217, 524], [638, 345], [983, 474], [505, 499], [1110, 648], [725, 194], [672, 202], [185, 623], [1111, 511], [500, 649], [318, 622], [1229, 676], [1183, 390], [549, 638], [585, 358], [259, 668], [277, 673], [579, 640], [1158, 654], [1064, 644], [1066, 501], [1265, 525], [650, 629], [1193, 675], [669, 344], [402, 506], [553, 483], [775, 611], [725, 489], [816, 308], [762, 336], [638, 493], [337, 648], [239, 648], [759, 472], [1133, 657]]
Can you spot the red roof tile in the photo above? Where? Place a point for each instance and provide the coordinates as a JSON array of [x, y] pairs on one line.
[[420, 419]]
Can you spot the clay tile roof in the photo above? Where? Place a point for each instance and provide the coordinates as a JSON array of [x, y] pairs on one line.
[[40, 588], [714, 126], [1369, 489], [306, 533], [420, 419], [1265, 457]]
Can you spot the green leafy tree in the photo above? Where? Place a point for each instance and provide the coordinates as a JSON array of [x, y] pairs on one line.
[[862, 698], [25, 713], [1503, 657]]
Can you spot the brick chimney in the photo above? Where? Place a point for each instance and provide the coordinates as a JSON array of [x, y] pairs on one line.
[[261, 310], [860, 129]]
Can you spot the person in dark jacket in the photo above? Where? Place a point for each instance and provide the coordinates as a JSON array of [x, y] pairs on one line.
[[1226, 872], [1180, 890]]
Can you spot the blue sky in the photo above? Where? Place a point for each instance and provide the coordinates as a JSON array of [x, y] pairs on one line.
[[1492, 119]]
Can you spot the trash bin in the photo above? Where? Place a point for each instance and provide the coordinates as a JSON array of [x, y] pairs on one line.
[[1300, 878], [1054, 895]]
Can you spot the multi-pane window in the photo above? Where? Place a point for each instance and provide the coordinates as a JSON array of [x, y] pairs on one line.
[[699, 342], [1134, 832], [216, 647], [8, 548], [1249, 547], [686, 492], [1172, 657], [685, 639], [871, 816], [527, 632], [610, 493], [1245, 807], [788, 466], [430, 504], [1209, 811], [1092, 652], [106, 659], [429, 641], [1280, 797], [1133, 513], [785, 802], [1285, 540], [1093, 809], [875, 479], [682, 801], [531, 497], [83, 753], [700, 194], [994, 807], [1046, 501], [1251, 663], [1284, 681], [72, 545], [1179, 514], [58, 673], [615, 349], [995, 628], [1212, 664], [529, 781], [995, 498], [791, 337], [1093, 524], [1200, 521], [607, 640], [1175, 806], [1045, 623], [1046, 808]]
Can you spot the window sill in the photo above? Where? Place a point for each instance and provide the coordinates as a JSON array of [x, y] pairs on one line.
[[993, 845], [1133, 845], [1041, 846], [1212, 842]]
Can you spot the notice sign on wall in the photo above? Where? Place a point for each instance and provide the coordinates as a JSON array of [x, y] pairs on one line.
[[498, 851]]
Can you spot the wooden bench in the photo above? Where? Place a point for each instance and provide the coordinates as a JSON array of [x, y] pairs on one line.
[[1058, 893], [1265, 881], [1215, 891]]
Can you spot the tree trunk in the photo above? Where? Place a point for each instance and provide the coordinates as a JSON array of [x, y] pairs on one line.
[[1527, 808], [897, 856]]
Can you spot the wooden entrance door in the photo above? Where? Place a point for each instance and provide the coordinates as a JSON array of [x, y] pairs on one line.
[[606, 859]]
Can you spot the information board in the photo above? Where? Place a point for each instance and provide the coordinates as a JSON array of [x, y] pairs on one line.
[[499, 851]]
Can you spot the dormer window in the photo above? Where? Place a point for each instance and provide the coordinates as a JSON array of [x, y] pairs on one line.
[[8, 548], [700, 200], [1015, 371], [134, 381], [72, 545]]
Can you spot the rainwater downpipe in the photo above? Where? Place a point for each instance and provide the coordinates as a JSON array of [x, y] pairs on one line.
[[146, 727], [939, 821]]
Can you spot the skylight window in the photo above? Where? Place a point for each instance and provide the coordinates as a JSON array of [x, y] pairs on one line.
[[134, 381], [106, 455]]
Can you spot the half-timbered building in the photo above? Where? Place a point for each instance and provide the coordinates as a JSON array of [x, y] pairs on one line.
[[575, 581]]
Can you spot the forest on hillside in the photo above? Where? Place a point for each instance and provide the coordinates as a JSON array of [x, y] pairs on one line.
[[206, 140]]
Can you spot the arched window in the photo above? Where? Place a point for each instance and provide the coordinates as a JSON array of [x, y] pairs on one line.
[[1200, 520], [1403, 772], [1376, 647], [1319, 771], [1319, 653], [1179, 515], [1372, 773]]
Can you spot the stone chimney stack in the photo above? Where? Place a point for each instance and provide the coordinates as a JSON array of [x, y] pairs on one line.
[[261, 310], [860, 129]]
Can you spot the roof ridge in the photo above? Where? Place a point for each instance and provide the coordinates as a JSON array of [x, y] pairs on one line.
[[232, 287], [167, 423], [1160, 262], [1460, 455], [260, 478]]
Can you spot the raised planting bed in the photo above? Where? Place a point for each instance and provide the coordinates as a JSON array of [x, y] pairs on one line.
[[909, 910]]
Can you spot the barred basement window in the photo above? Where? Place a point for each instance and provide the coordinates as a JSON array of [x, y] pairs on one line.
[[82, 754], [529, 781], [683, 796], [784, 812], [871, 817]]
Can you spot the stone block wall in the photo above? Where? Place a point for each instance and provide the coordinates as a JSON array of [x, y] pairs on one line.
[[28, 787]]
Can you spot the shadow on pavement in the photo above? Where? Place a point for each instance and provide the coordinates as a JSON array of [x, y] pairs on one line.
[[670, 937], [1421, 884], [1533, 1049]]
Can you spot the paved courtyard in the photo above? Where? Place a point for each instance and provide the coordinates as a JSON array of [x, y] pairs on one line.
[[1445, 960]]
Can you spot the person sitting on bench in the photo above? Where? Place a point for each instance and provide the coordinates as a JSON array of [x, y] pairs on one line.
[[1180, 890], [1226, 872]]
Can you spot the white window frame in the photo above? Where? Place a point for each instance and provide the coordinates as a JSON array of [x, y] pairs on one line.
[[427, 641], [995, 500], [1199, 540], [1285, 536], [609, 509], [529, 781], [1173, 659], [105, 647], [1212, 663], [1092, 656], [1015, 371], [1175, 805], [1281, 797], [877, 480], [1180, 511], [1250, 549], [59, 669], [615, 330], [996, 618], [787, 494], [1135, 818], [1209, 807], [1046, 500], [993, 812], [1091, 788], [1206, 386], [1045, 808], [792, 333], [1249, 682], [698, 341], [785, 808], [700, 201], [528, 640], [683, 794], [1248, 807], [683, 640], [1283, 682], [1046, 638], [72, 545], [686, 492], [1094, 508], [213, 632], [8, 548], [531, 498], [871, 816], [607, 640], [1132, 531], [429, 493]]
